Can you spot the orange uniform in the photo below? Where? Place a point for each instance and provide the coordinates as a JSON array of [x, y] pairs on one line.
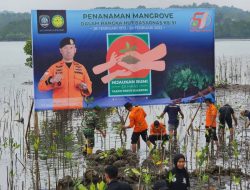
[[66, 93], [137, 119], [211, 114], [161, 130]]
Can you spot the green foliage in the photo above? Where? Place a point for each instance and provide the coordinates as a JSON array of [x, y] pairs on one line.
[[147, 178], [183, 78], [144, 174], [36, 144], [171, 177], [11, 173], [10, 143], [119, 151], [165, 162], [14, 26], [92, 186], [28, 51], [78, 185], [184, 148], [81, 187], [159, 117], [201, 156], [117, 126], [68, 155], [68, 138], [205, 178], [98, 186], [53, 147], [136, 171], [156, 157], [101, 186], [236, 180], [235, 149], [104, 155], [128, 172]]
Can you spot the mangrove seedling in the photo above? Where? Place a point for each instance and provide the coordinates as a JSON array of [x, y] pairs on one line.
[[92, 186], [36, 144], [236, 180], [104, 155], [101, 186], [146, 176], [81, 187], [119, 152], [171, 178]]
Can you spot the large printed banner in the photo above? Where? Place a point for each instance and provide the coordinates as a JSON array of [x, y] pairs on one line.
[[108, 57]]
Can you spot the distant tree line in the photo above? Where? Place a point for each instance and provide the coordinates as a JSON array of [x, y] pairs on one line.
[[230, 22], [14, 26]]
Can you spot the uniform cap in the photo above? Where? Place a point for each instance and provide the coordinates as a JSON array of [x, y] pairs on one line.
[[156, 123], [67, 41], [208, 100], [128, 105]]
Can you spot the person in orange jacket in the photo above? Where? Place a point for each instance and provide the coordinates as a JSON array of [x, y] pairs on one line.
[[138, 122], [211, 114], [68, 79], [158, 132]]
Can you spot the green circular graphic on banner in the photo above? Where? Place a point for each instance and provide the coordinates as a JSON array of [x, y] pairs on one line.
[[57, 21]]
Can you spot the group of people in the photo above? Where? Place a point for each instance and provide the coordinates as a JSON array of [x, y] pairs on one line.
[[158, 131], [226, 116], [176, 178], [137, 121]]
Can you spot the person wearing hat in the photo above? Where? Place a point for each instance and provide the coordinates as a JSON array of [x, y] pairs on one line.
[[91, 122], [158, 132], [138, 122], [178, 177], [246, 113], [211, 114], [68, 79]]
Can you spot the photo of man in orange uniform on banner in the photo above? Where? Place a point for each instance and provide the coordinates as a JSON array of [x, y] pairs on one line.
[[68, 79]]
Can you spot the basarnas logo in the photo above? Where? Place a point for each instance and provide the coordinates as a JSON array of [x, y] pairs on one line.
[[51, 21], [57, 21], [44, 21], [201, 22]]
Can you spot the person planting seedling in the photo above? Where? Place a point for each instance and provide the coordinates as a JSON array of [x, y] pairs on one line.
[[90, 123]]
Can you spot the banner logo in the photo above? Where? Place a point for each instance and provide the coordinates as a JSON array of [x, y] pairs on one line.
[[201, 22], [44, 21], [51, 21], [57, 21]]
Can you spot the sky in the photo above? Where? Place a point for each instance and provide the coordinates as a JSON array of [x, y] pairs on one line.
[[28, 5]]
